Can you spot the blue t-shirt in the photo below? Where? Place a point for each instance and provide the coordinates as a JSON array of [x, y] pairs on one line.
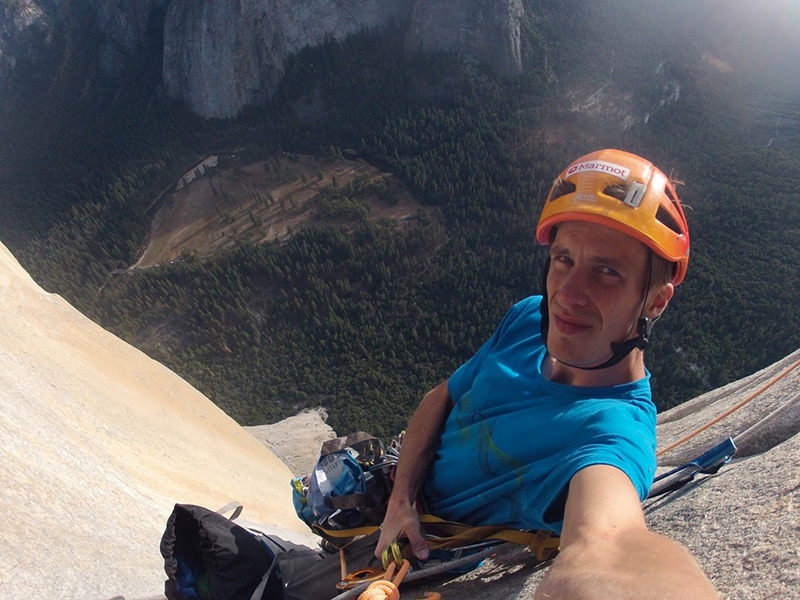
[[514, 439]]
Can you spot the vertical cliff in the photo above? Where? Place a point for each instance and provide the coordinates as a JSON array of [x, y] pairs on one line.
[[81, 48], [98, 442], [24, 29], [124, 24], [218, 57], [488, 30], [222, 56]]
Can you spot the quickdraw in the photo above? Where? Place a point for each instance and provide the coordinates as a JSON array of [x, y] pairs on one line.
[[391, 557]]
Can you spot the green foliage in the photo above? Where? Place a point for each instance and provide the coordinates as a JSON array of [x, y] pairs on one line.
[[365, 317]]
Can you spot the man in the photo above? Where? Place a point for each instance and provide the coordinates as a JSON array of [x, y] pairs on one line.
[[551, 424]]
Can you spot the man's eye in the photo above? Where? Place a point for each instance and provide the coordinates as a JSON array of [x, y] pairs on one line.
[[564, 260]]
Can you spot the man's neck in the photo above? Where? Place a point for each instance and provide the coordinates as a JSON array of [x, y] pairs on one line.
[[631, 368]]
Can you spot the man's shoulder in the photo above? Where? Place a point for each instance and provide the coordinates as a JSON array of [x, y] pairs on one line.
[[527, 306], [530, 302], [524, 313], [522, 319]]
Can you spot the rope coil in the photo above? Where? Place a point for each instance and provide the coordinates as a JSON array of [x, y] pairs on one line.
[[384, 589]]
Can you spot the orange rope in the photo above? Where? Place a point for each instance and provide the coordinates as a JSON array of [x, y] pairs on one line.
[[387, 590], [716, 420]]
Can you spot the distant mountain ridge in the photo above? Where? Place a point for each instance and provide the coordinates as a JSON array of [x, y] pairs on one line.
[[219, 57]]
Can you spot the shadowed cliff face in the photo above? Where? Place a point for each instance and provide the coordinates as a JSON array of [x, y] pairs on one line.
[[485, 29], [24, 29], [222, 56], [124, 23]]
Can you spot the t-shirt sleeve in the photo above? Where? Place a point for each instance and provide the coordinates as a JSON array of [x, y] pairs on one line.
[[622, 436], [462, 379]]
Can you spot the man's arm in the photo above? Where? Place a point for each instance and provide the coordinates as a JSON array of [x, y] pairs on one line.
[[416, 454], [608, 552]]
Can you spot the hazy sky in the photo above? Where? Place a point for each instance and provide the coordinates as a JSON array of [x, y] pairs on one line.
[[762, 35]]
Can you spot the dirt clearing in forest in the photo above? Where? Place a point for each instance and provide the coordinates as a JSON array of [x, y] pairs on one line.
[[266, 201]]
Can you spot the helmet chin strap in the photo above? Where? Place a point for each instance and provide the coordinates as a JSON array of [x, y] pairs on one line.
[[619, 350]]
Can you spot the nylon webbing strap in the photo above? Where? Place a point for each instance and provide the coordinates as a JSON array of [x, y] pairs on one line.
[[236, 507], [344, 533], [542, 544]]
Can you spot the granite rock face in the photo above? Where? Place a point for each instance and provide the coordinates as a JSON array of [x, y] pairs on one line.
[[99, 441], [25, 29], [31, 29], [222, 56], [124, 24], [485, 29]]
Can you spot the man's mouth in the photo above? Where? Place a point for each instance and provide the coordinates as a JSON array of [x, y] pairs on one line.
[[569, 325]]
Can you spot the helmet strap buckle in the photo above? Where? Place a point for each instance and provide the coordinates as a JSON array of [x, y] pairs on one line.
[[644, 328]]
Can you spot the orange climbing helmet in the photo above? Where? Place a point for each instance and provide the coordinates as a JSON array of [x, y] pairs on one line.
[[626, 192]]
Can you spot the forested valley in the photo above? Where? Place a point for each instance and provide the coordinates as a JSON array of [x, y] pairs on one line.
[[363, 315]]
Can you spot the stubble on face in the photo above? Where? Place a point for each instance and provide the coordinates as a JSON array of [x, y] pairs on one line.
[[595, 292]]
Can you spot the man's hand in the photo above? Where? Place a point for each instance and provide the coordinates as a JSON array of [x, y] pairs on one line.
[[402, 522], [416, 453]]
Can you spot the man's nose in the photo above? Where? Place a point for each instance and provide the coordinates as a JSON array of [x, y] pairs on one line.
[[574, 288]]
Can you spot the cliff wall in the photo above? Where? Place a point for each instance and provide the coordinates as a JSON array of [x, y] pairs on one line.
[[98, 442], [485, 29], [24, 28], [220, 56]]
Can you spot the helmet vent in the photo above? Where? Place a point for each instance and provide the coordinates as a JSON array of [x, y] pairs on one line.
[[561, 187], [631, 194], [616, 191], [671, 195], [663, 216]]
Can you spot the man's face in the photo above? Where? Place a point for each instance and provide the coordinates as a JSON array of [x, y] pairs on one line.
[[595, 290]]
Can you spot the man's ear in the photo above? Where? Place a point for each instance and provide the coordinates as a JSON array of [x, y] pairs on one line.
[[658, 299]]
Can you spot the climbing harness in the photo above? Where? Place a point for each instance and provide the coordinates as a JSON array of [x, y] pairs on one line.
[[343, 501], [466, 547]]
